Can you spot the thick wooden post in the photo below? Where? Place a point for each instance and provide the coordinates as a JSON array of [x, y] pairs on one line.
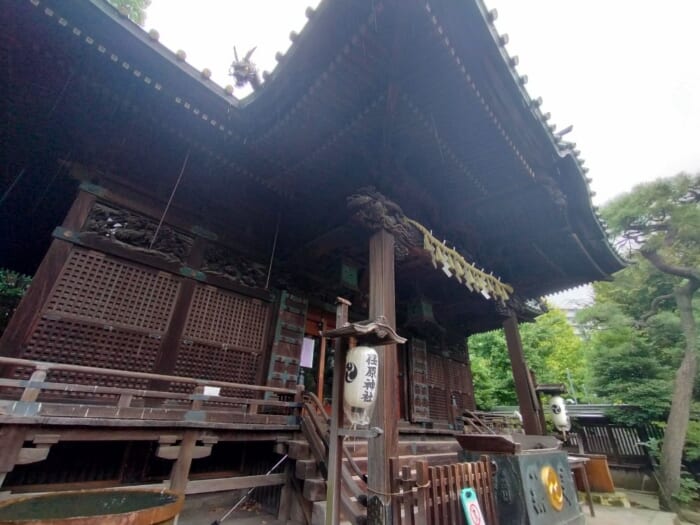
[[11, 441], [335, 448], [180, 473], [527, 397], [386, 410]]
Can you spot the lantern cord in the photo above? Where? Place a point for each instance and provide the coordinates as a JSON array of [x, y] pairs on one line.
[[170, 200], [14, 183], [272, 254]]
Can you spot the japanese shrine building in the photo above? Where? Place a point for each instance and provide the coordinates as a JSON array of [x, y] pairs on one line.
[[175, 230]]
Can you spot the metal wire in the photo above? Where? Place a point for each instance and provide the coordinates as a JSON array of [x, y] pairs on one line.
[[170, 200]]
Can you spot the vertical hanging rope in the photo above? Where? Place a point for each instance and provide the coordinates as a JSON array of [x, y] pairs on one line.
[[170, 200], [14, 183], [272, 255]]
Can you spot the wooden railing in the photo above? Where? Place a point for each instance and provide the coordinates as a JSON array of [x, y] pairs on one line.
[[315, 427], [62, 402], [430, 495], [622, 444]]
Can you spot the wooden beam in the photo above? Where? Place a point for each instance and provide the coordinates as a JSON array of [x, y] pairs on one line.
[[386, 411], [12, 438], [524, 388]]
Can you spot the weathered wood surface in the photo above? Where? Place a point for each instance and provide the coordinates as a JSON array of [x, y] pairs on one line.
[[524, 387], [429, 495], [386, 410], [44, 402]]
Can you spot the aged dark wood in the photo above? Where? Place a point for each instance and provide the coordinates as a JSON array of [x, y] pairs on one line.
[[322, 362], [170, 343], [431, 494], [336, 441], [524, 387], [12, 438], [386, 410]]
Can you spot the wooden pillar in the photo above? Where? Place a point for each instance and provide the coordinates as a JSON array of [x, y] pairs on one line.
[[12, 439], [170, 343], [180, 473], [524, 388], [335, 448], [386, 410]]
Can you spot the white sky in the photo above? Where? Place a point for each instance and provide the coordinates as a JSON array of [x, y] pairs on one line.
[[625, 73]]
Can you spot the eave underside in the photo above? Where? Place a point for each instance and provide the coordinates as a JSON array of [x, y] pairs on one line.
[[412, 100]]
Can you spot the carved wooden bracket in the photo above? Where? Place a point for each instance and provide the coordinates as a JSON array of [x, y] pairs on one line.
[[375, 332]]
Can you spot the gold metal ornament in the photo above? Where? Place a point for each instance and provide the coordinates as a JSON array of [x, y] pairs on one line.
[[552, 486]]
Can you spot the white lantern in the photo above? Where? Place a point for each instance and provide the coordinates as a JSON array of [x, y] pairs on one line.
[[361, 377], [559, 416]]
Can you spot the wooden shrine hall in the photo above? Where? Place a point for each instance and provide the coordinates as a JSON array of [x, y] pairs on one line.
[[189, 248]]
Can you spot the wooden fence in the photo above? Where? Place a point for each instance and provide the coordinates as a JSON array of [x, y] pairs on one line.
[[622, 444], [430, 495]]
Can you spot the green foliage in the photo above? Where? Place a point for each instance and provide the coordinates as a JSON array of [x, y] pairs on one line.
[[660, 216], [689, 491], [643, 326], [13, 285], [624, 365], [551, 348], [692, 440], [135, 10]]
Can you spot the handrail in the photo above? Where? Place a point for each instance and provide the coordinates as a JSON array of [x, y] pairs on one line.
[[111, 390], [316, 402], [43, 365]]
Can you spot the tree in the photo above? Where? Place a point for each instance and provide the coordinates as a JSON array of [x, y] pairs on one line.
[[552, 350], [13, 286], [660, 221], [135, 10], [623, 362]]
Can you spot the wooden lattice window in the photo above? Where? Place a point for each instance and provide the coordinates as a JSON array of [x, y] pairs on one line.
[[94, 286], [210, 362], [75, 342], [227, 319], [439, 402]]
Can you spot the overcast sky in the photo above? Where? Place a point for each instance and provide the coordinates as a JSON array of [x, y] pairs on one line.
[[625, 73]]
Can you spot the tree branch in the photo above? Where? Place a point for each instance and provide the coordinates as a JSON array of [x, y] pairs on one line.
[[654, 258], [654, 309]]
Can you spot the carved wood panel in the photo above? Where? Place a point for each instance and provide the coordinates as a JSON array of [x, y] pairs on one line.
[[419, 397]]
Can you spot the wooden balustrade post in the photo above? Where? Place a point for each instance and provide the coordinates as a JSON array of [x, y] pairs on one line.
[[31, 393], [422, 486], [179, 475]]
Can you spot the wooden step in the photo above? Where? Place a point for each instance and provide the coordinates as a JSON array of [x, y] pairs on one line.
[[306, 469], [298, 449], [315, 489]]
